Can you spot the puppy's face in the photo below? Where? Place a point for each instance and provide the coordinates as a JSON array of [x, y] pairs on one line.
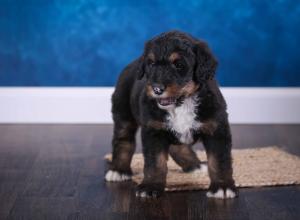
[[169, 75], [174, 65]]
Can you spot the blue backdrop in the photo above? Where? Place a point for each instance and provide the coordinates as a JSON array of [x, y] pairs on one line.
[[88, 42]]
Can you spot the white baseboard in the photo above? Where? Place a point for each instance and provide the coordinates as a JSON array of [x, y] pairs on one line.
[[92, 105]]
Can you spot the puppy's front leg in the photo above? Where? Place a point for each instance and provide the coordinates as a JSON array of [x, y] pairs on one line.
[[155, 150], [218, 150]]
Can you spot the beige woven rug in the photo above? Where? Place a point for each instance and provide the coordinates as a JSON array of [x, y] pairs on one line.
[[268, 166]]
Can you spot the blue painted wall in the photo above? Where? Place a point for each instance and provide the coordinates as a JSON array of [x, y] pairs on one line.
[[88, 42]]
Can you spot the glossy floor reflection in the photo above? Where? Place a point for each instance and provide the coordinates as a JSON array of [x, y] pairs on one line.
[[57, 171]]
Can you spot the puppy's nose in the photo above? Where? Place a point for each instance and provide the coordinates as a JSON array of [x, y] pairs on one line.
[[158, 89]]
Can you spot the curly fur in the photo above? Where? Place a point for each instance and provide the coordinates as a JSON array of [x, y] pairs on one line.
[[171, 93]]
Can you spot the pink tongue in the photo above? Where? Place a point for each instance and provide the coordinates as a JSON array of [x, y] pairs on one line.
[[166, 101]]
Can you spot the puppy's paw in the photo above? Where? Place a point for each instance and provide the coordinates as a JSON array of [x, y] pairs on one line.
[[149, 190], [222, 192], [202, 169], [115, 176]]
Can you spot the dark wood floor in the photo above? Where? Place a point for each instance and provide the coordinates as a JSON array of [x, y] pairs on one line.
[[56, 172]]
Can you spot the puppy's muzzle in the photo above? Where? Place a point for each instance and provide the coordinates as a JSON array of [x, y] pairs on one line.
[[158, 89]]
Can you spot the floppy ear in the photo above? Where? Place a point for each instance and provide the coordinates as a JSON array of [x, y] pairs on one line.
[[142, 59], [206, 63], [141, 68]]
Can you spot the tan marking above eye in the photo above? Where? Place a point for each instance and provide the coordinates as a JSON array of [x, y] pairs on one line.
[[151, 57], [174, 56]]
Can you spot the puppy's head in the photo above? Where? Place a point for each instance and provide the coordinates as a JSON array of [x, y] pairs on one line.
[[175, 65]]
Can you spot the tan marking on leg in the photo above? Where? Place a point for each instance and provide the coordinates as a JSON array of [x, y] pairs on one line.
[[212, 166], [125, 130], [182, 150], [126, 150], [157, 173], [214, 170], [124, 156], [184, 156], [157, 124], [162, 161], [209, 127]]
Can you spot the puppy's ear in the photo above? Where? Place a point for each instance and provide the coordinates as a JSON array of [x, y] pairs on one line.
[[206, 63], [142, 60], [141, 68]]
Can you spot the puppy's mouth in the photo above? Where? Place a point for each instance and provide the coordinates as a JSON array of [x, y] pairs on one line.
[[166, 101]]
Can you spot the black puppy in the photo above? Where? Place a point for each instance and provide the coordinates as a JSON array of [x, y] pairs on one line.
[[170, 91]]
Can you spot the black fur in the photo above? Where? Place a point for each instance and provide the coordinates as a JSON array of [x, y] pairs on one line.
[[133, 106]]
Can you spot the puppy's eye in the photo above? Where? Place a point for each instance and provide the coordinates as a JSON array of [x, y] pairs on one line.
[[178, 65]]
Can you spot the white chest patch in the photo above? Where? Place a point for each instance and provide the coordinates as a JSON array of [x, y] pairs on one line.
[[181, 119]]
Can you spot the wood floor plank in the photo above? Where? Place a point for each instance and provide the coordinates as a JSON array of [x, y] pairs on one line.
[[273, 202], [46, 208], [57, 172], [18, 153]]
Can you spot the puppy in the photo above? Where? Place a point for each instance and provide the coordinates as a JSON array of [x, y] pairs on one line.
[[171, 93]]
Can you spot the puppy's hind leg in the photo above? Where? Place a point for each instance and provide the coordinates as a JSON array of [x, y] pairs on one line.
[[186, 158], [123, 148], [125, 127]]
